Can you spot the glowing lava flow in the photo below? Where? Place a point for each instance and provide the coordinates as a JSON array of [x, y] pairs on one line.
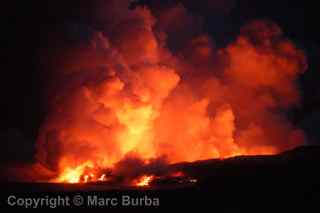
[[144, 181], [83, 173], [70, 175]]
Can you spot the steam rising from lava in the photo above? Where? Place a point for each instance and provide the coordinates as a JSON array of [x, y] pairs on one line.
[[125, 92]]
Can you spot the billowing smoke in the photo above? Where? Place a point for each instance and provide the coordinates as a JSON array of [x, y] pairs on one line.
[[127, 91]]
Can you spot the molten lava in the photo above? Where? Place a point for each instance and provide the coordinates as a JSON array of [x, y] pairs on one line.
[[125, 92], [144, 181], [83, 173]]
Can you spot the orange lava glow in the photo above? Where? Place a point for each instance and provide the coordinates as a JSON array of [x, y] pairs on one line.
[[144, 181], [83, 173], [71, 175], [125, 93]]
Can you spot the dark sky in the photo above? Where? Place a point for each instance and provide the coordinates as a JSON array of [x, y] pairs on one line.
[[32, 26]]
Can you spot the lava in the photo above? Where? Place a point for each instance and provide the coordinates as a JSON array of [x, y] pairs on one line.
[[144, 181], [83, 173]]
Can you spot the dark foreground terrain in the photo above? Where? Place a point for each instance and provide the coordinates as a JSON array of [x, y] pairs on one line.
[[286, 182]]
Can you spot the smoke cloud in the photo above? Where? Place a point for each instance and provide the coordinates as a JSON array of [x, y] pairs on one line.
[[155, 86]]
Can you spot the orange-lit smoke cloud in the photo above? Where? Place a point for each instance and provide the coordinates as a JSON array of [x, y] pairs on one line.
[[125, 92]]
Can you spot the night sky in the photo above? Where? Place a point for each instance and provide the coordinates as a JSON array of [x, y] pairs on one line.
[[32, 27]]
